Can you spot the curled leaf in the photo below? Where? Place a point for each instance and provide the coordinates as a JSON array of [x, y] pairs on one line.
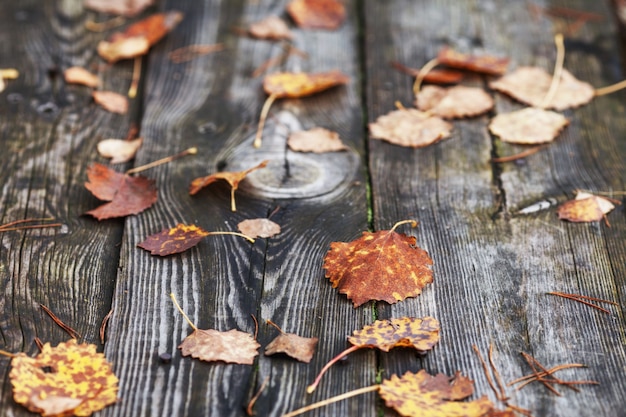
[[317, 14], [300, 84], [585, 208], [484, 64], [119, 150]]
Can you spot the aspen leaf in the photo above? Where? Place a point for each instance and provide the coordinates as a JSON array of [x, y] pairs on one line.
[[454, 102], [111, 101], [262, 228], [528, 126], [530, 85], [418, 333], [383, 265], [434, 76], [485, 64], [317, 14], [137, 39], [175, 240], [119, 150], [585, 208], [424, 395], [232, 178], [80, 382], [118, 7], [297, 347], [79, 75], [126, 195], [272, 28], [317, 140], [211, 345], [410, 128], [301, 84]]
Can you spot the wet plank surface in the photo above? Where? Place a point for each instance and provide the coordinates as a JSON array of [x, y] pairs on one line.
[[492, 265]]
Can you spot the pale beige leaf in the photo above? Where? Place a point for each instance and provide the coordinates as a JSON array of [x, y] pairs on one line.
[[262, 228], [111, 101], [211, 345], [604, 204], [119, 7], [123, 48], [410, 127], [119, 150], [79, 75], [454, 102], [317, 140], [528, 126], [530, 85], [272, 27]]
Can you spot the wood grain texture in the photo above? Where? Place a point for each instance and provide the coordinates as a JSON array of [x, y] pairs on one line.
[[493, 267]]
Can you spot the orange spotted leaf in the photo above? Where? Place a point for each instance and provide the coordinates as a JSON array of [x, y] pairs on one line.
[[232, 178], [301, 84], [485, 64], [137, 39], [384, 265], [211, 345], [317, 14], [418, 333], [425, 395], [126, 195], [80, 380], [175, 240]]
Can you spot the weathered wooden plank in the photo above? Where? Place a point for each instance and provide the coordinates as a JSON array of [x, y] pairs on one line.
[[214, 104], [49, 132], [493, 267]]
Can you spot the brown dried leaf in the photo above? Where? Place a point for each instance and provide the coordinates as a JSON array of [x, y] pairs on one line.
[[111, 101], [119, 7], [454, 102], [79, 75], [425, 395], [272, 28], [528, 126], [410, 128], [530, 85], [211, 345], [585, 208], [119, 150], [137, 39], [233, 178], [418, 333], [317, 140], [298, 347], [484, 64], [80, 383], [300, 84], [435, 76], [317, 14], [262, 228], [383, 265], [127, 195], [175, 240]]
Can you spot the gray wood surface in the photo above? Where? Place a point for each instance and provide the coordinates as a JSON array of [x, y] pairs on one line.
[[492, 266]]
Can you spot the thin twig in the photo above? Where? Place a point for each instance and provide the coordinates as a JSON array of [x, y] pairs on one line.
[[39, 343], [548, 372], [517, 156], [190, 151], [580, 299], [532, 362], [264, 111], [256, 326], [610, 88], [134, 83], [332, 400], [486, 371], [249, 410], [103, 326], [73, 333], [8, 227], [187, 53], [311, 388], [496, 375], [8, 354]]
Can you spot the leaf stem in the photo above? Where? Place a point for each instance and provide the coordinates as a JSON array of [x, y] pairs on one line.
[[311, 388], [332, 400], [610, 88], [134, 83], [558, 70], [173, 297], [413, 224], [262, 118], [8, 354], [270, 322], [248, 238], [422, 74], [256, 396], [190, 151]]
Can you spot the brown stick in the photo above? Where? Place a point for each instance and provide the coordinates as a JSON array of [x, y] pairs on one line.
[[253, 400], [256, 326], [486, 371], [73, 333], [103, 326], [517, 156], [580, 300]]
